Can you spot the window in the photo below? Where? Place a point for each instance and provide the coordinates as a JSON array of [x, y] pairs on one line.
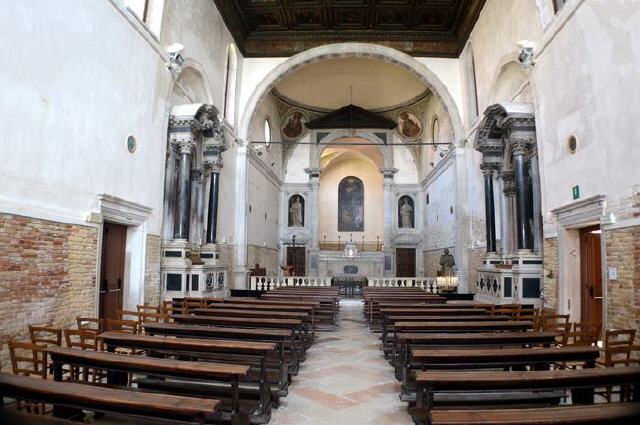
[[267, 133], [435, 132], [471, 86], [149, 12], [557, 4], [230, 85]]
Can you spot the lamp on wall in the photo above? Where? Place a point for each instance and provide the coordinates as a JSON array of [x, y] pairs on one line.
[[527, 53]]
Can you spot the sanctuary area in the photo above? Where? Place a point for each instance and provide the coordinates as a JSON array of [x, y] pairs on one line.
[[320, 212]]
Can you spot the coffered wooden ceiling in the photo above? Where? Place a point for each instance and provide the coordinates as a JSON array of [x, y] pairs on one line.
[[285, 27]]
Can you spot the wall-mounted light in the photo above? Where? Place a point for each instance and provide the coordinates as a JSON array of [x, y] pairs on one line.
[[527, 53], [175, 59]]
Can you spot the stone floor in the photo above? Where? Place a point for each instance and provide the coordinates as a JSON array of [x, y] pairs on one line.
[[345, 380]]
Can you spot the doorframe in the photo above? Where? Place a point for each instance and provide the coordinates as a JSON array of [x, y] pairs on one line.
[[135, 216], [570, 219]]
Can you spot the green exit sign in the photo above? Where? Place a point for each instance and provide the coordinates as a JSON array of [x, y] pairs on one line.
[[575, 191]]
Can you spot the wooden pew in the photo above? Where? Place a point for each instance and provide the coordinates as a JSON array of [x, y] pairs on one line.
[[326, 311], [253, 354], [477, 358], [609, 414], [461, 385], [389, 321], [106, 400], [258, 315], [290, 354], [406, 341], [264, 307], [120, 366]]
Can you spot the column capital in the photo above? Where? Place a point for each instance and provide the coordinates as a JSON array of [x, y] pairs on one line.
[[388, 173], [213, 166], [313, 172], [186, 146], [490, 168], [196, 175], [520, 146], [508, 182]]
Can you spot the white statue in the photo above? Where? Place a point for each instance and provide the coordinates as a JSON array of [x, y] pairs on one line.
[[295, 213], [406, 214]]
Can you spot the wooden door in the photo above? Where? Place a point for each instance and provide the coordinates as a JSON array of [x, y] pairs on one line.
[[114, 239], [591, 276], [405, 262], [296, 258]]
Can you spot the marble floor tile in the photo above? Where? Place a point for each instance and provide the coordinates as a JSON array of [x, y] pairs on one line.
[[345, 380]]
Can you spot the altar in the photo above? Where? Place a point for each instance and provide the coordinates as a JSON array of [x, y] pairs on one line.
[[335, 263]]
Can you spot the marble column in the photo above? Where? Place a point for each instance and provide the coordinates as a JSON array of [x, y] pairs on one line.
[[312, 210], [169, 203], [489, 208], [525, 241], [389, 211], [534, 172], [183, 201], [242, 169], [508, 226], [214, 187], [196, 232]]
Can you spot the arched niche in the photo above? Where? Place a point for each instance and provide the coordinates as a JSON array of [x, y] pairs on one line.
[[296, 211], [406, 212]]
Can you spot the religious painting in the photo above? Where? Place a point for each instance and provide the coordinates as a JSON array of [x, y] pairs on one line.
[[405, 212], [351, 205], [296, 211], [409, 125], [293, 123]]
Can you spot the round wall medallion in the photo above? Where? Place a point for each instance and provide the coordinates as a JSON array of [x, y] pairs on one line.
[[131, 144], [572, 144], [409, 126], [292, 125]]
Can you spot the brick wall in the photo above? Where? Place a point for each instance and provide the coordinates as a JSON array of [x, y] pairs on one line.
[[551, 262], [152, 271], [47, 275], [623, 294]]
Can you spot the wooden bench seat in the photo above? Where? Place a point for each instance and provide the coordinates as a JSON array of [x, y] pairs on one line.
[[120, 366], [99, 399], [611, 414], [582, 382], [477, 358]]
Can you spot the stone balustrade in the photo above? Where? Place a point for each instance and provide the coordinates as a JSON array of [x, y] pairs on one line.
[[267, 283]]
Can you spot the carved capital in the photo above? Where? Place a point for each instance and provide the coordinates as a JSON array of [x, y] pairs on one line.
[[186, 146], [196, 175], [388, 173], [508, 182], [520, 146], [312, 172], [213, 166], [489, 168]]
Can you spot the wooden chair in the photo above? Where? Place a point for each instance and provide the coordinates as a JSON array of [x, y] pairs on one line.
[[617, 352], [585, 334], [145, 308], [123, 326], [558, 323], [44, 335], [83, 339], [89, 323], [29, 359]]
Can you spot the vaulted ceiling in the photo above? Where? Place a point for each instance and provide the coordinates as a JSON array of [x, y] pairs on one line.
[[264, 28]]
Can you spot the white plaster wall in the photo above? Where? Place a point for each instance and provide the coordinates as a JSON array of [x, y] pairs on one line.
[[440, 222], [297, 162], [271, 155], [263, 216], [373, 200], [81, 79], [448, 71], [434, 108], [598, 49], [405, 162], [254, 71]]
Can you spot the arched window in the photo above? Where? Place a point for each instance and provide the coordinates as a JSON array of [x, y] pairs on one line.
[[471, 86], [435, 132], [351, 205], [406, 213], [230, 85], [267, 133], [296, 211]]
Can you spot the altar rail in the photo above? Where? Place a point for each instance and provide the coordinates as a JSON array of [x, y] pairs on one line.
[[267, 283]]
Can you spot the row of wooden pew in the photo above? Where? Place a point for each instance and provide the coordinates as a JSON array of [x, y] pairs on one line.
[[190, 361], [466, 362]]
